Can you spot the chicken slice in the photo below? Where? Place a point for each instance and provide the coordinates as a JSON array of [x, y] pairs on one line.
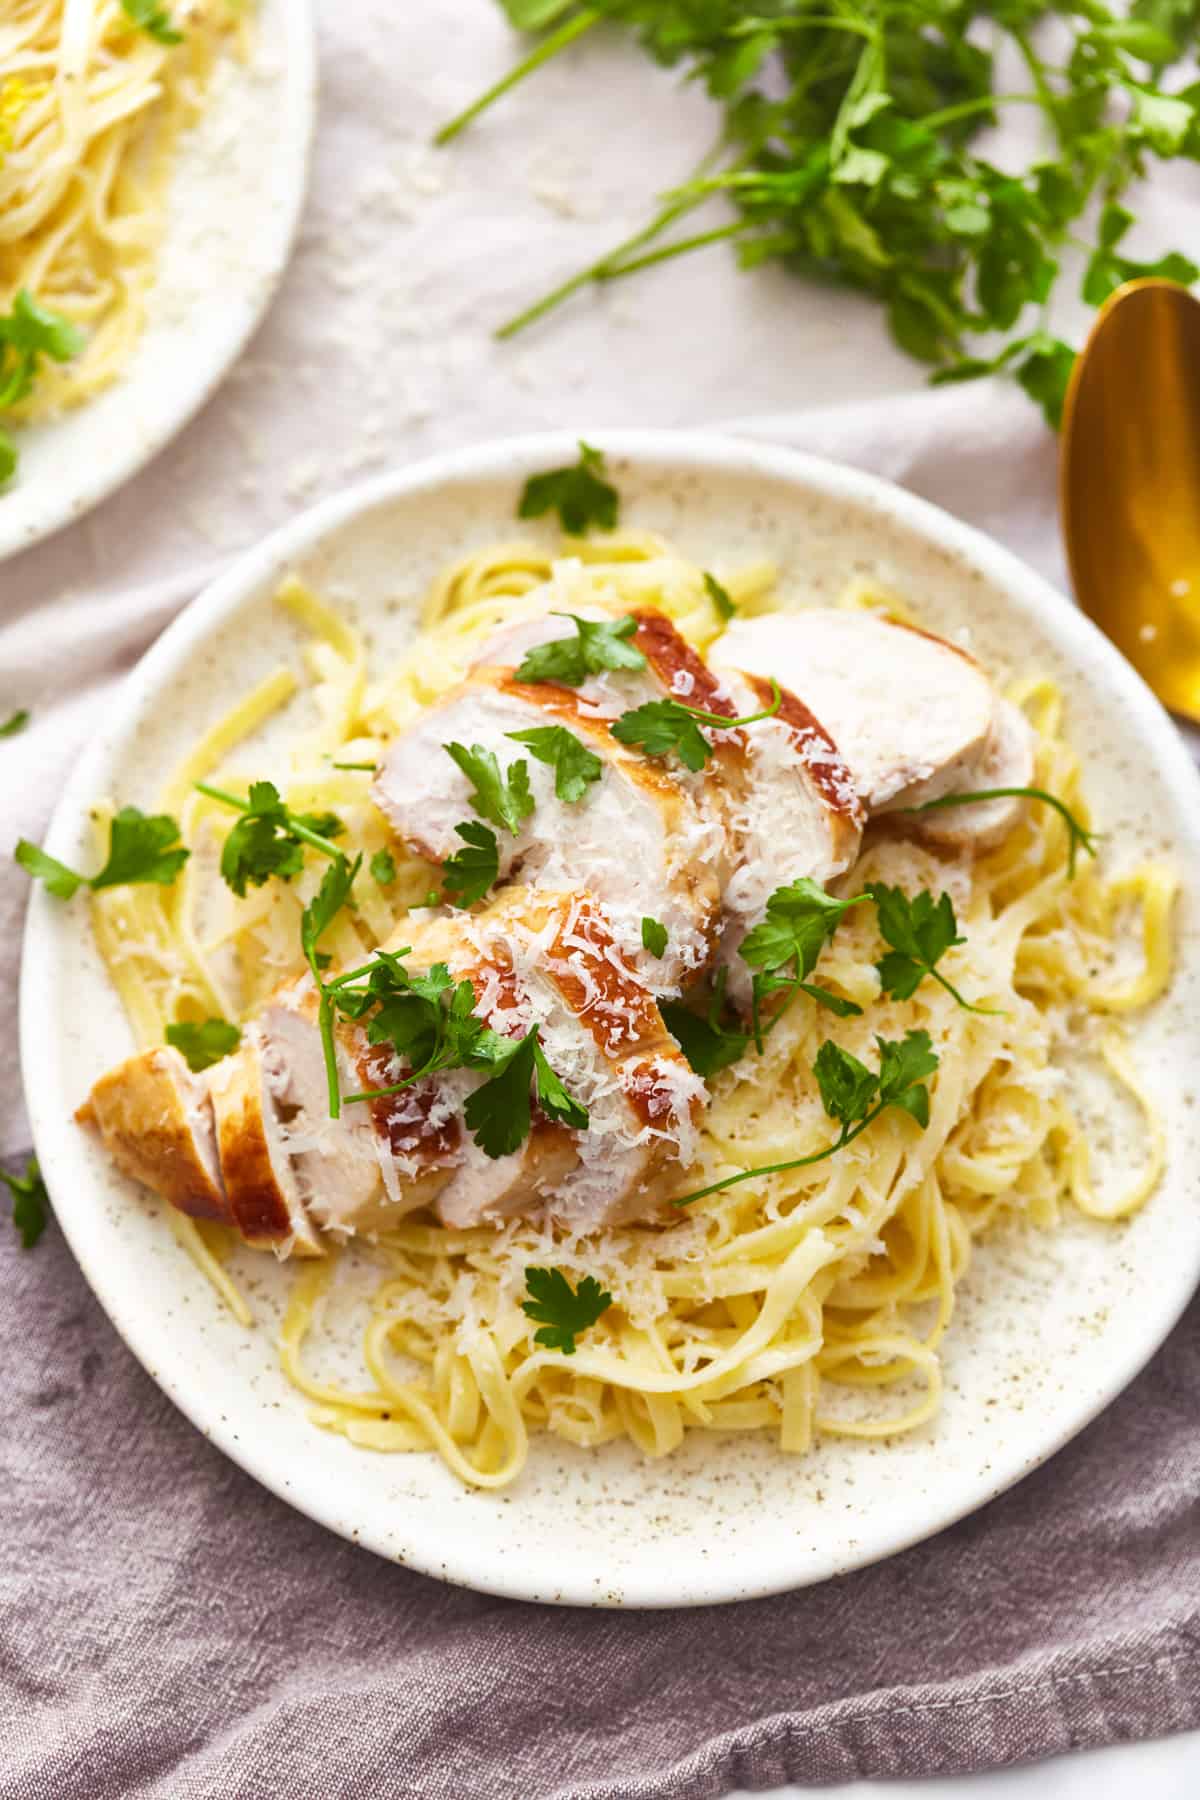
[[910, 713], [639, 839], [792, 811], [155, 1119], [261, 1183], [551, 959], [1007, 761]]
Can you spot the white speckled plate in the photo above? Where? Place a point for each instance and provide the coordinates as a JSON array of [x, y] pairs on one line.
[[233, 207], [1050, 1326]]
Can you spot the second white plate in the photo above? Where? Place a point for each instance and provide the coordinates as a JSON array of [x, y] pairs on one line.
[[233, 207]]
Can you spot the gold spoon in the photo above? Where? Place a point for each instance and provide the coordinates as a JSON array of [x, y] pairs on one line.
[[1129, 484]]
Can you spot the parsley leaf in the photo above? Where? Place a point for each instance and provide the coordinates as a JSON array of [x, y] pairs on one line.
[[575, 766], [579, 495], [505, 799], [598, 644], [499, 1113], [153, 19], [920, 931], [665, 726], [562, 1312], [383, 868], [720, 597], [140, 848], [470, 872], [854, 1097], [269, 838], [203, 1045], [654, 936], [30, 1201], [17, 722], [799, 921], [708, 1044]]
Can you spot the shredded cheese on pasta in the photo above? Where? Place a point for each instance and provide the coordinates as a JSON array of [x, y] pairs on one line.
[[809, 1303]]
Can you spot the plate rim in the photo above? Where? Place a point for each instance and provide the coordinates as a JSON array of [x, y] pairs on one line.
[[712, 452], [299, 90]]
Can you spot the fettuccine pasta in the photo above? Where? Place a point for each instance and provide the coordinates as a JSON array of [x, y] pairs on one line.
[[805, 1304]]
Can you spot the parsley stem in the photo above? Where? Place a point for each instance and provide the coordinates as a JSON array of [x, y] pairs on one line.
[[370, 767], [797, 1162], [547, 49], [679, 248], [718, 719], [967, 109], [990, 1012], [295, 826], [1078, 838], [683, 201], [328, 1046]]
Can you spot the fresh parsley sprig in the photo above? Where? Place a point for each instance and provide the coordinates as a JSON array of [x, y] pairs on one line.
[[30, 1202], [920, 931], [1078, 836], [563, 1312], [498, 1112], [27, 333], [854, 1097], [203, 1044], [783, 948], [579, 494], [141, 848], [269, 838], [575, 766], [429, 1022], [470, 872], [668, 727], [707, 1040], [501, 799], [598, 644]]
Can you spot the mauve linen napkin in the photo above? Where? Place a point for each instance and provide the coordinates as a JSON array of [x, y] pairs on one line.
[[168, 1629]]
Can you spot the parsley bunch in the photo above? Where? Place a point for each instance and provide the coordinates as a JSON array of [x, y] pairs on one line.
[[848, 152]]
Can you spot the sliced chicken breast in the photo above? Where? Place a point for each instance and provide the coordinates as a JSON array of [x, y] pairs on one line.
[[910, 713], [552, 960], [260, 1177], [155, 1119], [639, 839]]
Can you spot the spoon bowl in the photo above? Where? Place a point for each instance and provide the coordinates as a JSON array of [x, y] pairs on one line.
[[1130, 484]]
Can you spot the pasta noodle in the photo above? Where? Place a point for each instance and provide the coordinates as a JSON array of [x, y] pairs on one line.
[[91, 111], [807, 1303]]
